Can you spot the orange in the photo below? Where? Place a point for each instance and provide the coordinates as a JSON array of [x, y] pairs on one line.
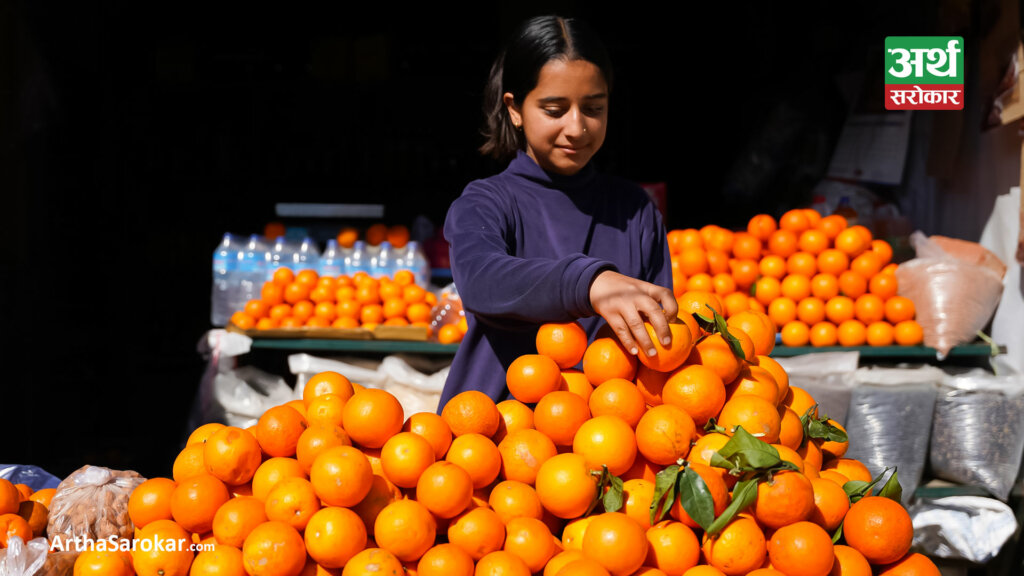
[[373, 561], [561, 560], [739, 548], [372, 416], [913, 564], [811, 310], [152, 557], [718, 263], [869, 309], [473, 412], [813, 241], [325, 410], [744, 272], [773, 265], [649, 383], [786, 498], [404, 457], [795, 220], [801, 263], [511, 499], [517, 416], [445, 560], [243, 320], [908, 333], [796, 333], [852, 284], [433, 429], [272, 471], [397, 235], [522, 454], [274, 548], [796, 287], [754, 381], [698, 302], [883, 285], [778, 374], [324, 383], [376, 234], [839, 309], [37, 516], [783, 243], [12, 525], [746, 246], [692, 261], [618, 397], [278, 430], [477, 455], [201, 434], [195, 501], [851, 333], [880, 334], [824, 286], [334, 536], [280, 311], [672, 547], [824, 334], [832, 261], [606, 441], [762, 226], [698, 390], [307, 277], [849, 562], [283, 276], [232, 455], [782, 310], [671, 356], [852, 242], [701, 282], [559, 415], [883, 251], [867, 264], [104, 563], [852, 469], [406, 528], [530, 377], [759, 327], [341, 476], [735, 303], [898, 309], [638, 494], [719, 238], [832, 225], [292, 501], [564, 343], [565, 485], [766, 289], [271, 294], [616, 542], [878, 528], [256, 308], [414, 294], [605, 359], [449, 334], [236, 518], [801, 549], [583, 567], [478, 531], [664, 434], [713, 480], [530, 540], [715, 354], [676, 240], [189, 462], [151, 501], [830, 504], [757, 416], [501, 563], [572, 535], [723, 284], [44, 496]]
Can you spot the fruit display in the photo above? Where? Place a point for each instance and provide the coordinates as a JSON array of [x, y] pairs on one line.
[[701, 459], [304, 299], [820, 282]]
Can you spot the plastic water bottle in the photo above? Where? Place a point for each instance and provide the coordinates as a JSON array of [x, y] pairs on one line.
[[253, 270], [417, 261], [331, 263], [382, 263], [307, 256], [281, 254], [358, 260], [225, 259]]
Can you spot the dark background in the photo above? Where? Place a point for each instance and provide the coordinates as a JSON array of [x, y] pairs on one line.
[[133, 138]]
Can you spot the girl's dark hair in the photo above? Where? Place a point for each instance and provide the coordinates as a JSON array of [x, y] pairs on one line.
[[516, 70]]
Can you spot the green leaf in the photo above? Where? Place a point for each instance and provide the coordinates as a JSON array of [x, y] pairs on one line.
[[808, 415], [664, 489], [857, 489], [695, 497], [706, 324], [822, 428], [743, 495], [753, 290], [892, 489], [613, 498], [712, 426], [745, 450], [838, 534]]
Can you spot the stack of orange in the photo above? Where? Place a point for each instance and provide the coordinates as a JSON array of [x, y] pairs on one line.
[[305, 299], [821, 282], [397, 235], [23, 512], [342, 482]]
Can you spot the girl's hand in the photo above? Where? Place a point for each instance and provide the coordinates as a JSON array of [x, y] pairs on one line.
[[624, 302]]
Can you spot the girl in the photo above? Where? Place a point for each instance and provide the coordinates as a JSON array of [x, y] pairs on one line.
[[550, 239]]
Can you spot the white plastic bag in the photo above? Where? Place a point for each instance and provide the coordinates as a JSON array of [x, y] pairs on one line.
[[359, 370], [969, 528], [826, 376], [20, 559], [244, 394], [890, 421], [978, 432], [221, 350]]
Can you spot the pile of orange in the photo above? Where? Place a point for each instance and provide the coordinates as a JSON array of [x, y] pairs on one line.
[[343, 482], [306, 299], [397, 235], [23, 512], [822, 282]]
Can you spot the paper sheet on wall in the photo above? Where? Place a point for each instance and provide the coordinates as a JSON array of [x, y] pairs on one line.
[[872, 148]]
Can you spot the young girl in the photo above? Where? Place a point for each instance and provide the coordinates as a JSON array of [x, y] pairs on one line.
[[550, 239]]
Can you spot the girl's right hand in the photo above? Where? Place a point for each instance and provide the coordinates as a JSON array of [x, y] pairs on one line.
[[624, 302]]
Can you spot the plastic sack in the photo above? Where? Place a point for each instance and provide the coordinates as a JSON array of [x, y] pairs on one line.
[[221, 350], [950, 310], [21, 559], [241, 396], [826, 376], [92, 503], [890, 421], [362, 371], [978, 431], [969, 528], [448, 309], [32, 476]]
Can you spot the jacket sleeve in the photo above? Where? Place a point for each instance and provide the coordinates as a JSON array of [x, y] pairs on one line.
[[655, 246], [495, 284]]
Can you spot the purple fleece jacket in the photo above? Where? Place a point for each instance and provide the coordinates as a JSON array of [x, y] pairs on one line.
[[525, 246]]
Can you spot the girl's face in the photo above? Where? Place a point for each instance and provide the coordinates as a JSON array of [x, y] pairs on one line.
[[564, 117]]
